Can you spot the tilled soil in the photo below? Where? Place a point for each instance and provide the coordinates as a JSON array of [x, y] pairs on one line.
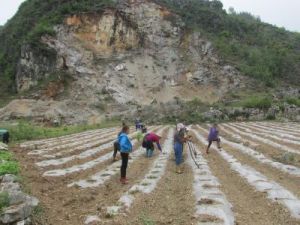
[[250, 206], [171, 202]]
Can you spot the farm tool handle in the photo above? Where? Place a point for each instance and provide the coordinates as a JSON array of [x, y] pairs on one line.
[[193, 152]]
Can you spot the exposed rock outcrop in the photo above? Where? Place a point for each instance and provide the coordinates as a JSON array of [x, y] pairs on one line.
[[132, 54], [20, 206]]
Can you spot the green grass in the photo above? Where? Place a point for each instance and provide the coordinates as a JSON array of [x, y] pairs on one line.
[[293, 101], [4, 200], [10, 167], [8, 164], [255, 102], [6, 156], [26, 131]]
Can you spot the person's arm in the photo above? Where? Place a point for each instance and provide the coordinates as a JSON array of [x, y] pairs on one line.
[[208, 134], [158, 146]]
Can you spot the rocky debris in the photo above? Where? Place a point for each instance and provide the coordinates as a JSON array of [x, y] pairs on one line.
[[289, 92], [3, 146], [120, 67], [51, 112], [291, 112], [20, 206], [92, 220], [213, 115]]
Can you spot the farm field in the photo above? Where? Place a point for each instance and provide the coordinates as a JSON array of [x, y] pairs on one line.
[[253, 180]]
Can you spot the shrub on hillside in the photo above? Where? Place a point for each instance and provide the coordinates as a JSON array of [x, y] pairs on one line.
[[258, 102]]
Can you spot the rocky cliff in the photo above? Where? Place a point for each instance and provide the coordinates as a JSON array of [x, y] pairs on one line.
[[117, 61]]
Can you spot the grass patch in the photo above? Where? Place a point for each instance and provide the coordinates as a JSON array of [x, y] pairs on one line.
[[10, 167], [6, 156], [293, 101], [26, 131], [4, 200], [261, 103]]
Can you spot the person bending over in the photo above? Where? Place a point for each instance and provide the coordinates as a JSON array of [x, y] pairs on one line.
[[148, 143]]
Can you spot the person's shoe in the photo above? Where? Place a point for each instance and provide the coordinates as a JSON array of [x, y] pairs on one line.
[[124, 181], [115, 160], [178, 170]]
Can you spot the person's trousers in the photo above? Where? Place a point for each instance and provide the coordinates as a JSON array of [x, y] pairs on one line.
[[178, 149], [218, 140], [116, 149], [149, 152], [124, 164]]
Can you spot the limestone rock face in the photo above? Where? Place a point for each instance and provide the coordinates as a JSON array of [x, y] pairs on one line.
[[133, 54]]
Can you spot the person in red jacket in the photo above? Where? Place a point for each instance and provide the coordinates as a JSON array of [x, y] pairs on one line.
[[148, 143]]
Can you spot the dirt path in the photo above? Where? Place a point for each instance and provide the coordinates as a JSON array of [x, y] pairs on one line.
[[172, 202]]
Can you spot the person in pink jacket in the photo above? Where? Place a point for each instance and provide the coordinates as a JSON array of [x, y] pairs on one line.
[[148, 143]]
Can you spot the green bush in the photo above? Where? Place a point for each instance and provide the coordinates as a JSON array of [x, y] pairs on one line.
[[293, 101], [257, 102], [4, 200], [271, 117]]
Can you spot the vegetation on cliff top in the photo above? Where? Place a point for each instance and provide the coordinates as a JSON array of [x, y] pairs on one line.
[[34, 19], [257, 49]]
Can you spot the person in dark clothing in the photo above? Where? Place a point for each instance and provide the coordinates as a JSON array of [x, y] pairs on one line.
[[117, 146], [125, 149], [213, 136], [6, 137], [148, 143]]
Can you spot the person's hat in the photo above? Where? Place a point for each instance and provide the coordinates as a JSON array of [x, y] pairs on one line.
[[180, 126]]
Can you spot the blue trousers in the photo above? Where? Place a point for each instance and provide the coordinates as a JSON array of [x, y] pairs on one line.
[[149, 153], [178, 148]]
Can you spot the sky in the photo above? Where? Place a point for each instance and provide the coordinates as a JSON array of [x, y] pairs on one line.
[[8, 8], [282, 13]]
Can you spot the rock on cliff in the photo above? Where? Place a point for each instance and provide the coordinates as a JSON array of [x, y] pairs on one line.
[[137, 53]]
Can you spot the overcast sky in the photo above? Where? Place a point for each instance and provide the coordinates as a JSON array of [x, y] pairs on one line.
[[283, 13]]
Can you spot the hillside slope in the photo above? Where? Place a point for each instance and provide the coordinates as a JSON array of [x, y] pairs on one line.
[[85, 60]]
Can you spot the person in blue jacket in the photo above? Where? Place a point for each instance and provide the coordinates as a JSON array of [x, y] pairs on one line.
[[125, 149]]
